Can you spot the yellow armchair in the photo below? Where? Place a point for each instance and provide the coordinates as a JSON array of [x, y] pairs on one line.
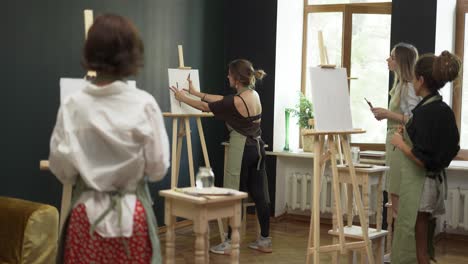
[[28, 232]]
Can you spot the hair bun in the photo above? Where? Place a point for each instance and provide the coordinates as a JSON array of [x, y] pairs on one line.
[[259, 74], [446, 67]]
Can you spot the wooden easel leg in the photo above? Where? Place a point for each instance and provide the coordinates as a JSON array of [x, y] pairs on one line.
[[65, 204], [314, 231], [202, 142], [189, 151], [174, 154], [338, 212], [180, 138], [350, 204], [357, 194]]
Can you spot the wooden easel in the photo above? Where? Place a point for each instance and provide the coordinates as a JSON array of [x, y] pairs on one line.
[[178, 134], [314, 248], [44, 164], [336, 140]]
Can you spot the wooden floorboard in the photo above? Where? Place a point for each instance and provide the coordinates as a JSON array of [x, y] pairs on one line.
[[289, 244]]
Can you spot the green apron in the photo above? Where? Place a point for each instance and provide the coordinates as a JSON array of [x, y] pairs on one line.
[[142, 194], [234, 160], [412, 183], [393, 156]]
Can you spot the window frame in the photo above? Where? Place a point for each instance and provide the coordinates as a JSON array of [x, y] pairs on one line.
[[457, 91], [347, 11]]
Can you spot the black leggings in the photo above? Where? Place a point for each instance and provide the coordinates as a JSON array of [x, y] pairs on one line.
[[251, 181]]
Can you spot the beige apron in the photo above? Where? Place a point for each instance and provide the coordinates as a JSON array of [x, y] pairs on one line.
[[234, 163], [393, 156], [412, 182], [234, 160]]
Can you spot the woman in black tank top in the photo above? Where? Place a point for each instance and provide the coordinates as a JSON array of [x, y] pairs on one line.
[[245, 167]]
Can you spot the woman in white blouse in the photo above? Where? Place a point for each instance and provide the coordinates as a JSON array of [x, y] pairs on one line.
[[108, 141]]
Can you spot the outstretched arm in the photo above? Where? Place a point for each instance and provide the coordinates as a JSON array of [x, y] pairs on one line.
[[180, 96], [204, 96]]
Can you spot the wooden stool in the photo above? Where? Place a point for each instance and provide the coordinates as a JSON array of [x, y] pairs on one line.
[[366, 177], [201, 209]]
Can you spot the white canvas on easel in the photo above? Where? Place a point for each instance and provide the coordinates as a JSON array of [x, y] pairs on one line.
[[330, 97], [68, 86], [178, 78]]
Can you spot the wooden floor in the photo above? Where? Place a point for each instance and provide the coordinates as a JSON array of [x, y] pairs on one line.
[[289, 245]]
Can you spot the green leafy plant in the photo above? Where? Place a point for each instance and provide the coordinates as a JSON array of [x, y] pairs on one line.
[[304, 111]]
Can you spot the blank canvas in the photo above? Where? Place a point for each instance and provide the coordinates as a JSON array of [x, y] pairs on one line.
[[330, 97], [178, 78], [69, 86]]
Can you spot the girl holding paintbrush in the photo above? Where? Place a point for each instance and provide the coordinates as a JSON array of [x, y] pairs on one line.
[[402, 100]]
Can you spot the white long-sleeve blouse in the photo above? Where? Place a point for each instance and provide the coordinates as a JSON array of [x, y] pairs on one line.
[[110, 136]]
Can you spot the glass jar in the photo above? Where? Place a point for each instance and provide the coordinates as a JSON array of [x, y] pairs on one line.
[[204, 178], [355, 152]]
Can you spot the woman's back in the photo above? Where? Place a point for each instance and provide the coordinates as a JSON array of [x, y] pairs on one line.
[[106, 129], [250, 105]]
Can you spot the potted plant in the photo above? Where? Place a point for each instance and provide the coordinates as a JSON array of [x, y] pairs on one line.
[[305, 114]]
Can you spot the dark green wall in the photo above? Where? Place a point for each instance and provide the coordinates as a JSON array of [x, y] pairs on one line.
[[254, 38], [414, 22], [42, 41]]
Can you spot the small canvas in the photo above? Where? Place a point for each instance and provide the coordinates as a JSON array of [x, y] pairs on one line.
[[330, 97], [178, 78], [69, 86]]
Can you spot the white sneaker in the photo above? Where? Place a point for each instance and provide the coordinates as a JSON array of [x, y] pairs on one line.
[[262, 244], [387, 258], [223, 248]]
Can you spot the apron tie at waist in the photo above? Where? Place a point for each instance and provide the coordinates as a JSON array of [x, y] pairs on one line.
[[442, 177], [115, 203], [435, 175]]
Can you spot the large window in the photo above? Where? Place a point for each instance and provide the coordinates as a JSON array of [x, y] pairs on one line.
[[460, 90], [357, 37]]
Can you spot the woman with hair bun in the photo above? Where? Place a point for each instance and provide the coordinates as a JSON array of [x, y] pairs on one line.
[[245, 168], [403, 99], [430, 141]]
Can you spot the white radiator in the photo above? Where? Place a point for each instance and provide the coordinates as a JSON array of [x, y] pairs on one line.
[[457, 208], [299, 193]]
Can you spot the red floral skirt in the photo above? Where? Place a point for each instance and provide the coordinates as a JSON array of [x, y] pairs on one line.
[[81, 248]]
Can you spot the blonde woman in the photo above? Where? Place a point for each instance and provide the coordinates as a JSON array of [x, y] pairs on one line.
[[403, 100]]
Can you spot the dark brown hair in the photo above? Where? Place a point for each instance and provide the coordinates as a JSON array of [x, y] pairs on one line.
[[113, 47], [243, 71], [438, 70]]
